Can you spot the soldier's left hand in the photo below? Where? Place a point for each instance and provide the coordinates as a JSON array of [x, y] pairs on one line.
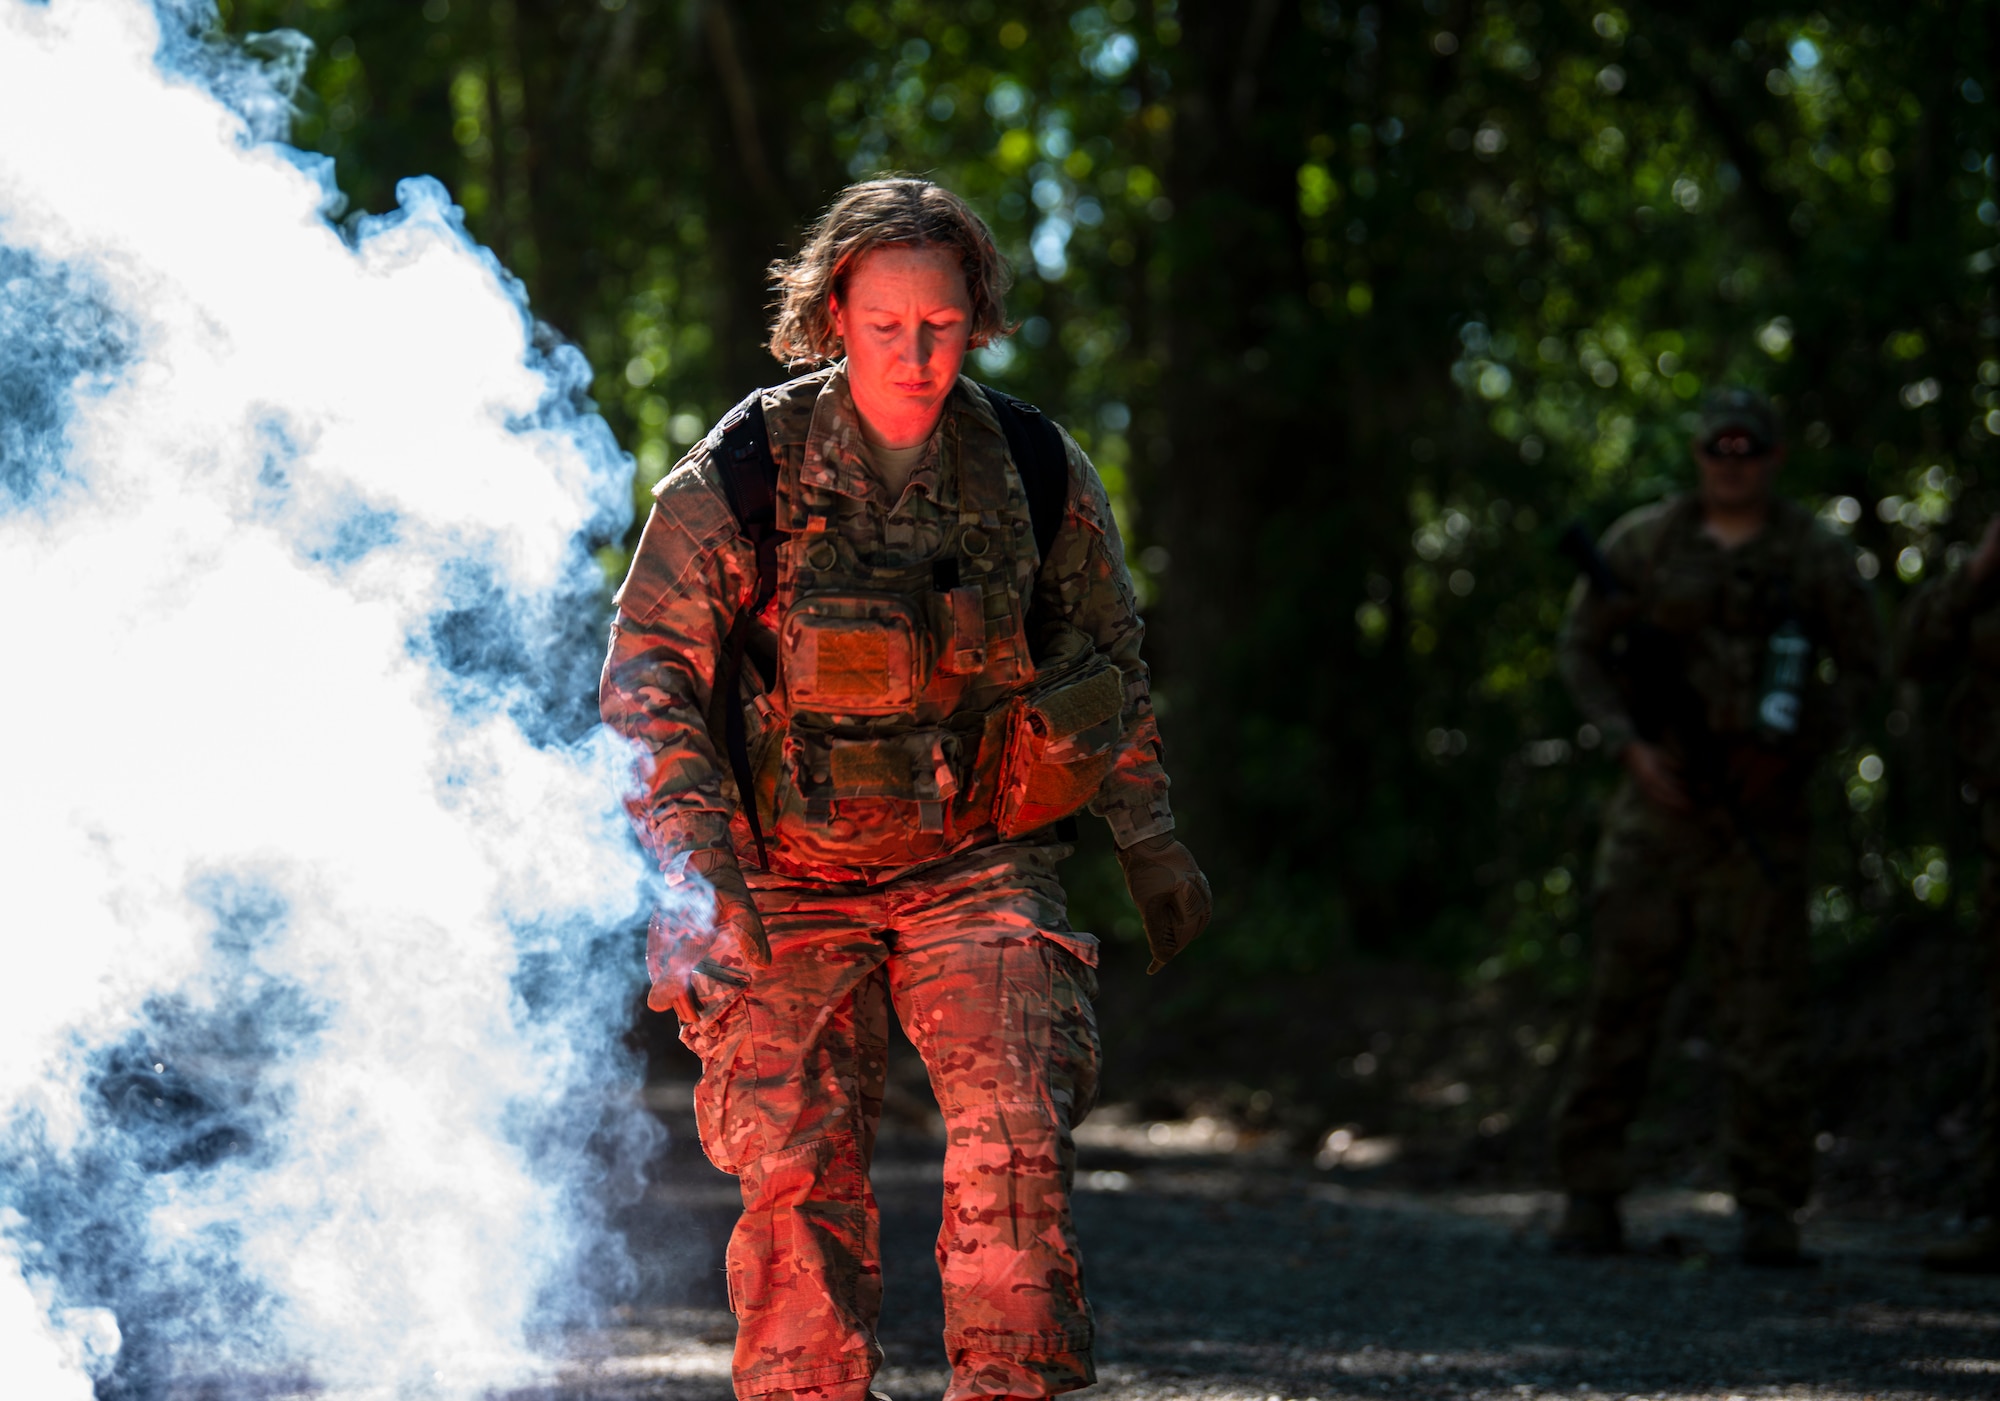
[[1171, 892]]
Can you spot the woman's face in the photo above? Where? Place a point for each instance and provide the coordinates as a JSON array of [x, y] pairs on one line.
[[905, 317]]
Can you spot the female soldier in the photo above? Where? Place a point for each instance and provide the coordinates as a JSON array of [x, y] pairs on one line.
[[871, 696]]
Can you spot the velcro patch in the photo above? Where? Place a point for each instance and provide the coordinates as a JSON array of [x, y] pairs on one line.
[[850, 665], [871, 770], [1090, 701]]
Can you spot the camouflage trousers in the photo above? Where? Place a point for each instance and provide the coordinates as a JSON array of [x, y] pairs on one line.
[[977, 960], [1986, 1200], [1666, 887]]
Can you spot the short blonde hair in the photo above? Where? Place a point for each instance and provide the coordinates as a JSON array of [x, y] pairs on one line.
[[899, 211]]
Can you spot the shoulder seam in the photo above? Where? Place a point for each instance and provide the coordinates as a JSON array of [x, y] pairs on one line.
[[694, 474], [788, 407]]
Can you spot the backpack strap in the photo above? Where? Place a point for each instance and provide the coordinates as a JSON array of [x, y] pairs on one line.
[[1036, 446], [1037, 449], [750, 482]]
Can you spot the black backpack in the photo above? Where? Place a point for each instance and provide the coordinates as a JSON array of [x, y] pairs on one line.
[[750, 481]]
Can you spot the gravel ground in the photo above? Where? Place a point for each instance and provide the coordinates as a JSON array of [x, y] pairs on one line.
[[1219, 1272]]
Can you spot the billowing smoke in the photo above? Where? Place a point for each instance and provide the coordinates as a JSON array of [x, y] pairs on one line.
[[316, 901]]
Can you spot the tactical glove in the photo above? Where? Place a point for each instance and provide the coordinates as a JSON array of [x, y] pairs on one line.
[[674, 946], [1171, 893]]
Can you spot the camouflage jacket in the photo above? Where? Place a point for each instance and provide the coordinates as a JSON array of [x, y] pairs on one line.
[[1951, 632], [919, 760], [1713, 610]]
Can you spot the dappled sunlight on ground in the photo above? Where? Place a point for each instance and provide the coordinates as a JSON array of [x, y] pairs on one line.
[[1238, 1275]]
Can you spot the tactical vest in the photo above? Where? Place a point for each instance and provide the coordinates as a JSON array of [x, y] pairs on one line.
[[906, 718], [1720, 607]]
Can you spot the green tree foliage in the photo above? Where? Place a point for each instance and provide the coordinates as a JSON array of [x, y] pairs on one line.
[[1355, 306]]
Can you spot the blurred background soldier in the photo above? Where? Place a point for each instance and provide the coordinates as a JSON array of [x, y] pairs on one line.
[[880, 642], [1720, 642], [1951, 632]]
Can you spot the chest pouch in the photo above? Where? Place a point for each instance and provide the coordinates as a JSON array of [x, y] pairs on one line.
[[962, 626], [1062, 740], [1686, 597], [854, 654], [865, 803]]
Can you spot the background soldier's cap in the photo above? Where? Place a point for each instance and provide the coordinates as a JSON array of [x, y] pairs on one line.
[[1738, 410]]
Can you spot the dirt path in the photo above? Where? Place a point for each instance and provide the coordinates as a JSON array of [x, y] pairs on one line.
[[1218, 1276]]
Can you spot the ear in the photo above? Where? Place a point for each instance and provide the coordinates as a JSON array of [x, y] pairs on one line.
[[837, 315]]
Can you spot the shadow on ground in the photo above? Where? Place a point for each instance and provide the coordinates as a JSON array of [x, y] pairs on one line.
[[1221, 1269]]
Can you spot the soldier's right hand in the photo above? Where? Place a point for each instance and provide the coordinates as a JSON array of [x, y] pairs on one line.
[[735, 912], [1657, 775], [675, 945]]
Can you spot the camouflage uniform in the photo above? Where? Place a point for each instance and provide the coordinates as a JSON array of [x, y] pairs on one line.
[[1951, 630], [910, 864], [1728, 877]]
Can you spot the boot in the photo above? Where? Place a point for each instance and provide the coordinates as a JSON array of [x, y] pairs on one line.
[[1771, 1238], [1590, 1225], [1977, 1254]]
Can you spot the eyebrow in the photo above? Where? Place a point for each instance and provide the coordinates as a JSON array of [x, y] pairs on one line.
[[874, 309]]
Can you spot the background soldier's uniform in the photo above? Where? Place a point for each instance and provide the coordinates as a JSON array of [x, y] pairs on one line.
[[1729, 877], [1951, 631], [894, 877]]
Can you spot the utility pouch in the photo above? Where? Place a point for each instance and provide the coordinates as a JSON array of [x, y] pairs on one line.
[[865, 804], [962, 625], [854, 654], [1062, 740], [916, 765]]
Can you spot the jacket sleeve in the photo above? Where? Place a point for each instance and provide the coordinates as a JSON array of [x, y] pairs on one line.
[[1084, 581], [690, 574], [1591, 621], [1935, 631]]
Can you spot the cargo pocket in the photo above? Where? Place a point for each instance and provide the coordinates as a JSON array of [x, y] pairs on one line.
[[720, 1036], [1074, 1055], [746, 1264]]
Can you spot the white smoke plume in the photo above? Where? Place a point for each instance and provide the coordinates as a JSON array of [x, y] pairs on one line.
[[316, 901]]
